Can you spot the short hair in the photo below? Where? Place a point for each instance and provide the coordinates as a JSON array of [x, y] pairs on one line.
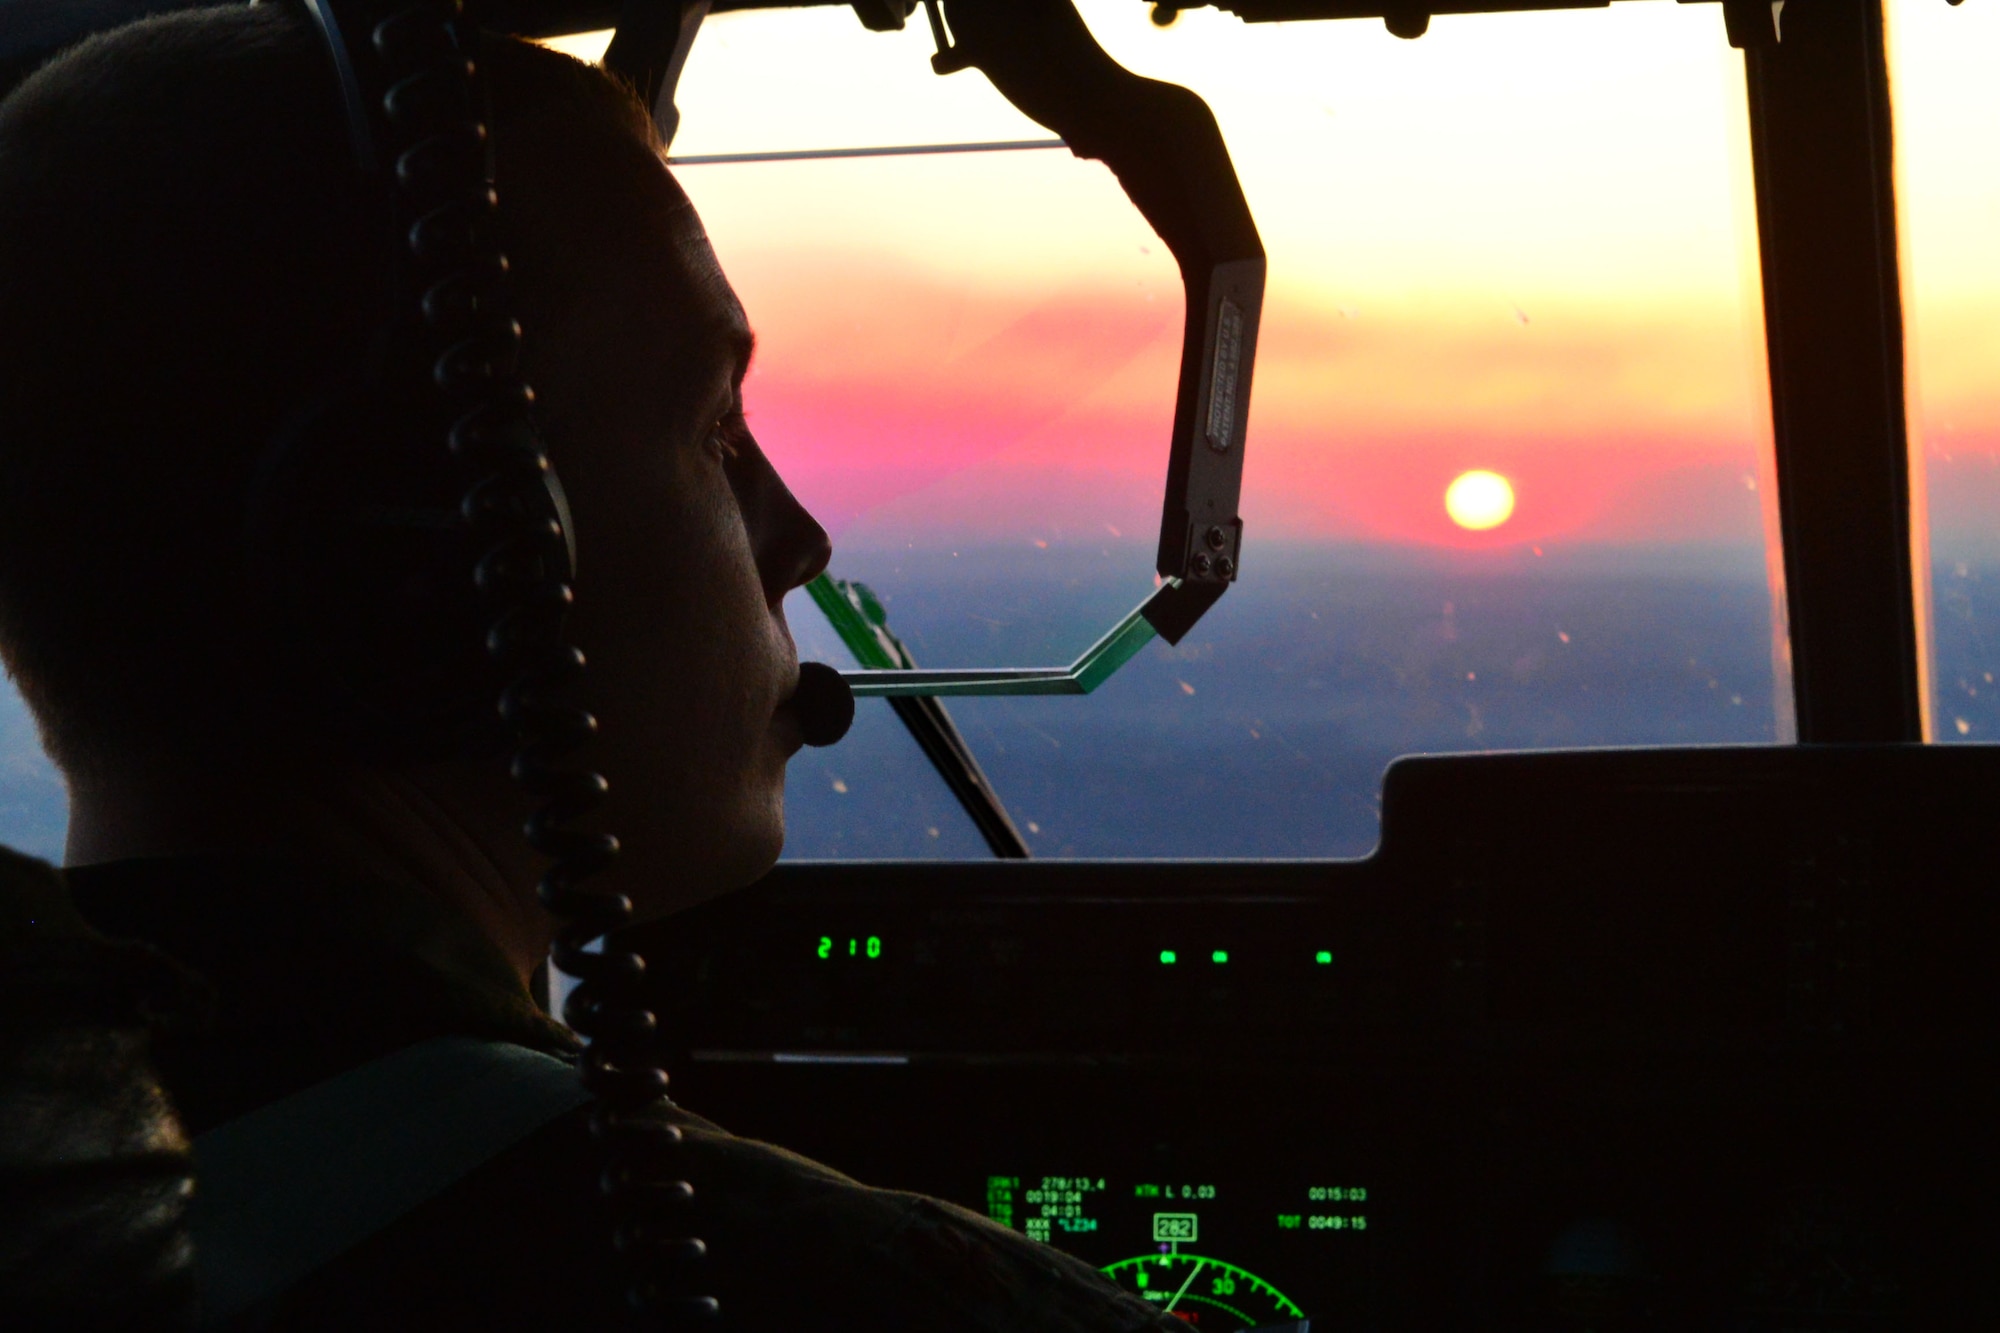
[[184, 253]]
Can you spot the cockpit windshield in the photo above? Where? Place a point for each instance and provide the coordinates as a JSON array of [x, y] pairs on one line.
[[1948, 190], [1508, 460]]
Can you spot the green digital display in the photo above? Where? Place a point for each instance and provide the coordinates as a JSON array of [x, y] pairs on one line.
[[1169, 956], [1323, 957], [1294, 1248], [850, 946]]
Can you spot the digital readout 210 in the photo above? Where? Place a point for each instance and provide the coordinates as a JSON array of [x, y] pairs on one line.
[[853, 946]]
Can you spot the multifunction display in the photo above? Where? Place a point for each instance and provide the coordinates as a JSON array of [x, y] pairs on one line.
[[1219, 1252]]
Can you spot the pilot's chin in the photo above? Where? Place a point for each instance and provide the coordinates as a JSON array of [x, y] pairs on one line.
[[768, 849], [753, 851]]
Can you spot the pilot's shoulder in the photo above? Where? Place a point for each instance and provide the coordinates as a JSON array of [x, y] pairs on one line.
[[828, 1245]]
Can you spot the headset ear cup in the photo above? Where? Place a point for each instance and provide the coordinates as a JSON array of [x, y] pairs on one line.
[[363, 570]]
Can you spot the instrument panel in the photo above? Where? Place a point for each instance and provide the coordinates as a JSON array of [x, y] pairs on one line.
[[1639, 1039]]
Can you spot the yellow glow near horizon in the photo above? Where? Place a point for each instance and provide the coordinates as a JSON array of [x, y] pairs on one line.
[[1393, 180], [1947, 108], [1479, 500], [1520, 238], [1525, 240], [1387, 176]]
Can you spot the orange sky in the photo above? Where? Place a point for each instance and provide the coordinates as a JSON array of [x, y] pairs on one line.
[[1522, 243]]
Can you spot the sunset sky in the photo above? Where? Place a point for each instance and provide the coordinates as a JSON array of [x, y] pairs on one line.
[[1523, 243]]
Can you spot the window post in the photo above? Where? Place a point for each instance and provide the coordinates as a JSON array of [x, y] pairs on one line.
[[1826, 218]]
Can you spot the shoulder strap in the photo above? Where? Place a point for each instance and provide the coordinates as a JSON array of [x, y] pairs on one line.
[[287, 1188]]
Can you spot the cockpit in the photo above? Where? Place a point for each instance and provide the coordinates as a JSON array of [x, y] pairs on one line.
[[1506, 843]]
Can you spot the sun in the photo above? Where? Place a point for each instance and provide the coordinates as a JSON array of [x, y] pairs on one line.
[[1479, 500]]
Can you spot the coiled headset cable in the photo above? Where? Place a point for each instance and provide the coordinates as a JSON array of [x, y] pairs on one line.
[[417, 111]]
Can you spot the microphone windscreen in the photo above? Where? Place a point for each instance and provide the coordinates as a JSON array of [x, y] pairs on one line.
[[824, 704]]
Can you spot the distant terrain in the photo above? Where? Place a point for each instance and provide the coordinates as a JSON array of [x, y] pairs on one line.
[[1266, 732]]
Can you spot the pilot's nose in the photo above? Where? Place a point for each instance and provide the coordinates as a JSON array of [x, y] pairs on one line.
[[790, 546]]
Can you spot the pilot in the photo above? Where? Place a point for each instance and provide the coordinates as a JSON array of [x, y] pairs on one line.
[[183, 258]]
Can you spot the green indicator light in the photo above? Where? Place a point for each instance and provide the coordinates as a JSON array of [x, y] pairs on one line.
[[1167, 955], [1323, 957], [1220, 955]]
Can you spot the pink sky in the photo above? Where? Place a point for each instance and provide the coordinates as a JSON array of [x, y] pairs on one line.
[[1465, 273], [1060, 416]]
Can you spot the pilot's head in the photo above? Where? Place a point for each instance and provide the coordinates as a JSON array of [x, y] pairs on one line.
[[183, 255]]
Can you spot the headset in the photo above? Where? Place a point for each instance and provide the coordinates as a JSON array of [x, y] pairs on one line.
[[416, 553]]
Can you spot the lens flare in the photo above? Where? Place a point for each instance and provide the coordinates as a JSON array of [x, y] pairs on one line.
[[1479, 500]]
